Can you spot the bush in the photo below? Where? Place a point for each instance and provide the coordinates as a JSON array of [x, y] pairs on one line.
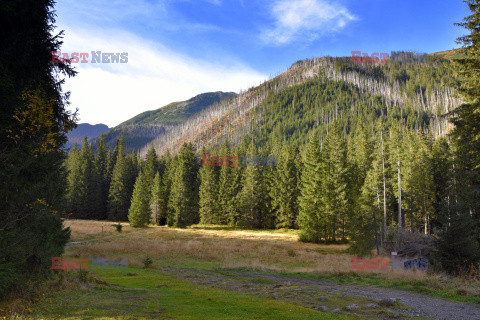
[[118, 227], [147, 261]]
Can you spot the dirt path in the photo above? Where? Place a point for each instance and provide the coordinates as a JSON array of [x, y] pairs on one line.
[[370, 302]]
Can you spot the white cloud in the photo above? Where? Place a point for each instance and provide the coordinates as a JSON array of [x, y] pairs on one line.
[[300, 20], [153, 77]]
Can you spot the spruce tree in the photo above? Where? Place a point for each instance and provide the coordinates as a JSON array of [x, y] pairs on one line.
[[151, 165], [133, 169], [234, 210], [466, 133], [310, 217], [113, 156], [119, 193], [208, 193], [284, 189], [155, 198], [184, 193], [33, 124], [396, 158], [335, 180], [458, 243], [165, 188], [226, 187], [139, 214], [74, 203], [366, 222], [252, 198], [101, 165], [171, 176], [89, 183], [423, 189]]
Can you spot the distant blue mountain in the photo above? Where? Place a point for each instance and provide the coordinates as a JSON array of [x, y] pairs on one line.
[[82, 130]]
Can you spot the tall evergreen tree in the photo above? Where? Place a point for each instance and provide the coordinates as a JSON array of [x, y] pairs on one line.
[[184, 193], [133, 168], [155, 198], [89, 183], [466, 133], [101, 165], [335, 180], [151, 165], [252, 198], [74, 203], [395, 143], [119, 193], [33, 123], [226, 187], [458, 243], [366, 223], [140, 213], [208, 192], [236, 179], [310, 218], [165, 188], [284, 189], [113, 156]]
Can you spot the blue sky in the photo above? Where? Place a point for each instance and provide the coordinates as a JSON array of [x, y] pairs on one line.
[[180, 48]]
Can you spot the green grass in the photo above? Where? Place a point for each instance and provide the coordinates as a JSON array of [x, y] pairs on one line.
[[155, 294]]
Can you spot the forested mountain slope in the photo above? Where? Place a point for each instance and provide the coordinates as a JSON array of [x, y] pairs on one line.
[[141, 129], [312, 93], [358, 148]]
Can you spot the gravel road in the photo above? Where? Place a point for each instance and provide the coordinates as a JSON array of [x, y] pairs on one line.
[[315, 294]]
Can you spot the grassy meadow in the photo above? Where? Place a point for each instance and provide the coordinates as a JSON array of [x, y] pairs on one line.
[[158, 292]]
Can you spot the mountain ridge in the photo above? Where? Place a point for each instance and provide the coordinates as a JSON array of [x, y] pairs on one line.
[[91, 131], [146, 126], [401, 83]]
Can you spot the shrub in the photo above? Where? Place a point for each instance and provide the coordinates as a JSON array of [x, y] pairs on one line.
[[118, 226], [147, 261]]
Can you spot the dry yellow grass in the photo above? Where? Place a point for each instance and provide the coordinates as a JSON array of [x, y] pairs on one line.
[[220, 248], [90, 229], [257, 250]]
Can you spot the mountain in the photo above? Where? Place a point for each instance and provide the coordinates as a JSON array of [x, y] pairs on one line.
[[143, 128], [82, 130], [177, 112], [313, 93], [449, 54]]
